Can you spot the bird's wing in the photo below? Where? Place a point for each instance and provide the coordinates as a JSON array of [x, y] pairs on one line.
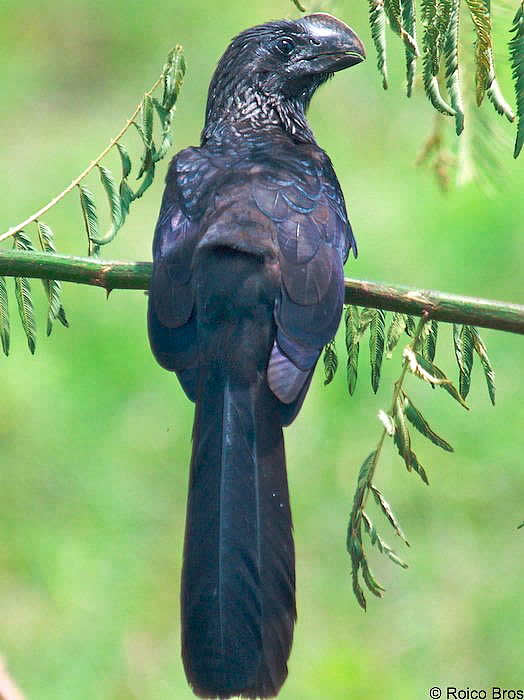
[[305, 203], [171, 321]]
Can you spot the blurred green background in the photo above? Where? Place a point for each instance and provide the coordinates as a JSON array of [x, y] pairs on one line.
[[95, 437]]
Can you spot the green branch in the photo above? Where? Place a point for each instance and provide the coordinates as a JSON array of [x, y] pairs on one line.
[[111, 274]]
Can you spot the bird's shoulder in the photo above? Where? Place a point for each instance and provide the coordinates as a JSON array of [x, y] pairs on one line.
[[285, 180]]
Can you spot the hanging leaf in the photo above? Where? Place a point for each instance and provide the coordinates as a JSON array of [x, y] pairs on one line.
[[90, 216], [403, 442], [409, 23], [431, 57], [395, 330], [377, 20], [147, 120], [4, 317], [516, 57], [352, 321], [330, 362], [401, 436], [23, 294], [165, 116], [482, 352], [174, 72], [388, 512], [370, 581], [426, 370], [410, 325], [146, 182], [113, 197], [416, 419], [53, 288], [378, 542], [376, 346], [450, 48], [126, 160], [126, 197], [429, 340], [395, 17], [482, 22], [458, 346], [467, 361]]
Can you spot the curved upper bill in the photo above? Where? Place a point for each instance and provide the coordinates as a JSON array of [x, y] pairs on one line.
[[334, 46]]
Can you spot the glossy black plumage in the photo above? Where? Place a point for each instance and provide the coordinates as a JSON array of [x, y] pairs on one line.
[[247, 288]]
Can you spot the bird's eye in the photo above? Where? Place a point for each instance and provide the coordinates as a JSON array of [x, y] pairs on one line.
[[285, 45]]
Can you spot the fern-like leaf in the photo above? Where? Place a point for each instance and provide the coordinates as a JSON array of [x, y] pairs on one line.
[[87, 203], [450, 49], [4, 317], [416, 419], [431, 57], [516, 53], [352, 322], [467, 361], [395, 16], [115, 206], [482, 352], [173, 76], [146, 182], [377, 21], [378, 542], [330, 362], [388, 512], [482, 22], [376, 346], [409, 23], [126, 160], [52, 288], [429, 340], [427, 371], [395, 330], [23, 295]]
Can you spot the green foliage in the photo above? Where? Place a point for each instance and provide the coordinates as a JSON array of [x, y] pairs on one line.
[[4, 317], [52, 288], [330, 362], [440, 47], [450, 50], [352, 323], [418, 358], [409, 25], [377, 21], [23, 295], [376, 345], [119, 199], [482, 22], [516, 50]]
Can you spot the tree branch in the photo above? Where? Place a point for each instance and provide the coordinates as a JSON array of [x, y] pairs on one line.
[[112, 274]]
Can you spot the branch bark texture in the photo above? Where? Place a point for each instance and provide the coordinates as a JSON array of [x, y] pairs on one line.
[[114, 274]]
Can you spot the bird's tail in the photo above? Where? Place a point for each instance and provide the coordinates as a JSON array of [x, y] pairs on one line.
[[238, 580]]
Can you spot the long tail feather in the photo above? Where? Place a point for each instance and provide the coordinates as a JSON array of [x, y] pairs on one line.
[[238, 581]]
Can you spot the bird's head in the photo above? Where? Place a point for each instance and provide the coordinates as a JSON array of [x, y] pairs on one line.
[[279, 65]]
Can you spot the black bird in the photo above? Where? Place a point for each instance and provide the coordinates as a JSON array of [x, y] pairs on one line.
[[247, 288]]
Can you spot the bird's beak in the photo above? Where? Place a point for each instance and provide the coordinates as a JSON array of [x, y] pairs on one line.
[[334, 46]]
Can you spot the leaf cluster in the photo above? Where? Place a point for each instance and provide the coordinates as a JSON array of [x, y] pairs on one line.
[[403, 416], [442, 50], [119, 198], [23, 294]]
